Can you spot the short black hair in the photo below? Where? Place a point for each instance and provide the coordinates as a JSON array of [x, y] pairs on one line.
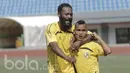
[[80, 22], [63, 5]]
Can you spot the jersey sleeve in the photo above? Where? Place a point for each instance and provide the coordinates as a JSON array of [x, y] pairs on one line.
[[98, 50], [50, 34]]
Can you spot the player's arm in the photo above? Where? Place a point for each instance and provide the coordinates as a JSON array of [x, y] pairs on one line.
[[87, 39], [105, 47], [52, 42], [60, 53], [76, 44]]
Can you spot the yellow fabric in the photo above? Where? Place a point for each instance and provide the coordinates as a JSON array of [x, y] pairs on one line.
[[54, 34], [87, 59], [89, 32]]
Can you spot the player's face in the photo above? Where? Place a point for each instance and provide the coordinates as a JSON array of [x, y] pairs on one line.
[[80, 31], [66, 16]]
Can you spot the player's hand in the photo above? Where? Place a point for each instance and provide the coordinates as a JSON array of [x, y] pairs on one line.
[[54, 72], [75, 46], [88, 38], [71, 59]]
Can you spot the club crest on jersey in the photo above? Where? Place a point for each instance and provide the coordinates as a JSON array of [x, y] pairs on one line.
[[86, 54]]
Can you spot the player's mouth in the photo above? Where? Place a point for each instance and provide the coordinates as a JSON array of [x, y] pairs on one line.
[[81, 37], [67, 22]]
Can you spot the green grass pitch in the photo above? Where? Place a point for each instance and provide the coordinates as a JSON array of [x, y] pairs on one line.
[[109, 64]]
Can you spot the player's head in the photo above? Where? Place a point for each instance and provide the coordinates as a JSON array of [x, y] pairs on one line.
[[80, 30], [65, 14]]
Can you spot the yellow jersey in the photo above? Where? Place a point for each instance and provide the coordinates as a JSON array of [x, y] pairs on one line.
[[54, 34], [87, 58]]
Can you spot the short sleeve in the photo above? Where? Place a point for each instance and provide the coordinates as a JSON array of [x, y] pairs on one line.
[[98, 50], [50, 34]]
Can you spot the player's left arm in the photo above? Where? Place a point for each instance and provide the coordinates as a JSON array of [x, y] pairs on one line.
[[105, 47]]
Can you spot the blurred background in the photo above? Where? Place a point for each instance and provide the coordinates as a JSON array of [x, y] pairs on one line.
[[22, 25]]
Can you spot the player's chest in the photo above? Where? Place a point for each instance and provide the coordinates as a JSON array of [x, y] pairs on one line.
[[87, 52], [64, 36]]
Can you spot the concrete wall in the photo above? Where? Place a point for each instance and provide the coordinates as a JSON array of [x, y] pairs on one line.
[[112, 31], [111, 39]]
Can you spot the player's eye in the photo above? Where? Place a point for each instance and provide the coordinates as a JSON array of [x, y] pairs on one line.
[[83, 30], [77, 29]]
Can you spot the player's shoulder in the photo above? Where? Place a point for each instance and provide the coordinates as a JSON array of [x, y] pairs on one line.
[[91, 43], [52, 25], [73, 27], [89, 32], [95, 44]]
